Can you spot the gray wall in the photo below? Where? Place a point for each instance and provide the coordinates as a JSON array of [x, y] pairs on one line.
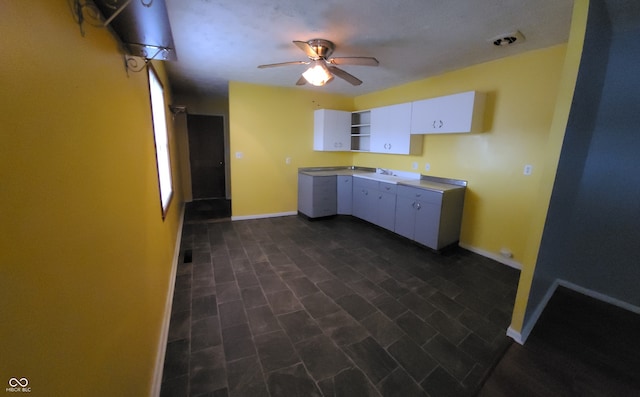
[[592, 232]]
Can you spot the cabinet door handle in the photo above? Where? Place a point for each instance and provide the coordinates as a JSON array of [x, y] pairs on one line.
[[413, 204], [434, 124], [440, 126], [418, 206]]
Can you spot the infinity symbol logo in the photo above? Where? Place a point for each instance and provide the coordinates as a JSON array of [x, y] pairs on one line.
[[22, 382]]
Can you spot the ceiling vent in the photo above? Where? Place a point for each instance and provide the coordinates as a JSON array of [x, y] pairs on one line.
[[508, 39]]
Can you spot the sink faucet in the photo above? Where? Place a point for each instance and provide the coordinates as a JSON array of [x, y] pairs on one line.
[[383, 171]]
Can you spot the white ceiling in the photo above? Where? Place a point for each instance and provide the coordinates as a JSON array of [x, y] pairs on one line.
[[222, 40]]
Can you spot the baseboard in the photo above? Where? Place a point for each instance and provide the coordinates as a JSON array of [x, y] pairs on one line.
[[262, 216], [600, 296], [496, 257], [164, 331], [515, 335], [528, 327]]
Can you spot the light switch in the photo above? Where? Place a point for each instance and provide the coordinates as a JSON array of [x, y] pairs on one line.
[[287, 160], [528, 169], [239, 155]]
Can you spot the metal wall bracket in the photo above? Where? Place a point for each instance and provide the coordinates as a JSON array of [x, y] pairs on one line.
[[141, 28]]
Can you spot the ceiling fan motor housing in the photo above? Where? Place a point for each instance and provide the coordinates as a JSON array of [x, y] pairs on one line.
[[324, 48]]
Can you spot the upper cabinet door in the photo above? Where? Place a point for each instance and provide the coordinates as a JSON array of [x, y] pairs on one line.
[[331, 130], [458, 113], [390, 130]]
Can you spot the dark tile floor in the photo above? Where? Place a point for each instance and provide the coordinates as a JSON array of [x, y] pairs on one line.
[[290, 307], [207, 210]]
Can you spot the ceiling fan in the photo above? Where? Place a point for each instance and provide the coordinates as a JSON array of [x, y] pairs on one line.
[[322, 68]]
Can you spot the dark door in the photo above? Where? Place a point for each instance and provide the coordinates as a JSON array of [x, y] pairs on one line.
[[206, 156]]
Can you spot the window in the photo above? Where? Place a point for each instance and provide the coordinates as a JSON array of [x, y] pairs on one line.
[[161, 138]]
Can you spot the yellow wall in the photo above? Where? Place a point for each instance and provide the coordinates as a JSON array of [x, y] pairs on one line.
[[267, 125], [85, 257], [552, 155]]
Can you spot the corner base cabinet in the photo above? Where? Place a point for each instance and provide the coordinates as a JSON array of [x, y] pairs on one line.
[[317, 195]]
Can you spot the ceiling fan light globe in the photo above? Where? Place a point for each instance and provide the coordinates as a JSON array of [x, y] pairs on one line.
[[317, 74]]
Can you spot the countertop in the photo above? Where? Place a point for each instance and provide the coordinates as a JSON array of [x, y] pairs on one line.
[[420, 181]]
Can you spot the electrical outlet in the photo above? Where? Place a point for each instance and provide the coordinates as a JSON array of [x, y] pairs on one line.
[[414, 165], [427, 167], [239, 155], [287, 160], [528, 169]]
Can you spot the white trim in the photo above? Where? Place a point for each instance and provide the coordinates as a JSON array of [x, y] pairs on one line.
[[164, 330], [491, 255], [600, 296], [262, 216], [528, 327], [515, 335]]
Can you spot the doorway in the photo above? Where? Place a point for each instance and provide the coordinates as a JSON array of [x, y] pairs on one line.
[[207, 164], [206, 156]]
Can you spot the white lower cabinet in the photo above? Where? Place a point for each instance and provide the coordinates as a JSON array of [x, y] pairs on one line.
[[386, 206], [429, 217], [345, 194], [417, 220], [365, 199], [375, 202], [386, 214]]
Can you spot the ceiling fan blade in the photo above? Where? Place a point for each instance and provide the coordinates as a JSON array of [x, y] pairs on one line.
[[304, 46], [273, 65], [345, 76], [362, 61], [301, 81]]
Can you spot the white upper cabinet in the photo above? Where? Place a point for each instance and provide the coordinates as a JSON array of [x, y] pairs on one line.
[[458, 113], [390, 130], [331, 130]]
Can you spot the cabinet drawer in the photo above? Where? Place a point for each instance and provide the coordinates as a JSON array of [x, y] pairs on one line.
[[414, 193], [319, 181], [387, 187], [365, 183]]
